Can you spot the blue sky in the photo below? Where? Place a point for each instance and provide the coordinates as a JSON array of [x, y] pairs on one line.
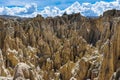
[[30, 8], [62, 4]]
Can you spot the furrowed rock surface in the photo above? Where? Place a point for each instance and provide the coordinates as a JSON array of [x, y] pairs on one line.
[[70, 47]]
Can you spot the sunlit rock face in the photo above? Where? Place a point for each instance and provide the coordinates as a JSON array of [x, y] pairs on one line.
[[70, 47]]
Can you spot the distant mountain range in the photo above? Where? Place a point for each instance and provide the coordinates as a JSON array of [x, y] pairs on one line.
[[86, 9], [8, 16]]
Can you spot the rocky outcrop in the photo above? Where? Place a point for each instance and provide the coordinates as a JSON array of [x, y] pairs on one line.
[[107, 67], [23, 71], [112, 13], [116, 75], [3, 70], [70, 47]]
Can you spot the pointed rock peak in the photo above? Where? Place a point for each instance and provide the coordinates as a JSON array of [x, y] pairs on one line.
[[74, 8], [76, 4], [56, 8]]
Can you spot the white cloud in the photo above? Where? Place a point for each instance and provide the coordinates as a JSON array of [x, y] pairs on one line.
[[100, 7], [86, 9], [118, 0], [51, 11], [25, 11], [1, 9]]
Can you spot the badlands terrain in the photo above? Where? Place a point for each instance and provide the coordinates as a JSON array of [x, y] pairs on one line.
[[70, 47]]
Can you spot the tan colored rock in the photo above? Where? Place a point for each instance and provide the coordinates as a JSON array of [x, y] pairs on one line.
[[65, 70], [24, 71], [3, 71], [67, 47], [116, 75], [49, 64], [107, 67], [57, 60], [12, 57], [81, 69]]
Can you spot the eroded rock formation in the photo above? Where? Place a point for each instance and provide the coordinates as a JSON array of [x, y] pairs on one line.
[[70, 47]]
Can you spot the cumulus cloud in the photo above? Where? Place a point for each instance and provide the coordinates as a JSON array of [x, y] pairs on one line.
[[86, 9], [28, 10]]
